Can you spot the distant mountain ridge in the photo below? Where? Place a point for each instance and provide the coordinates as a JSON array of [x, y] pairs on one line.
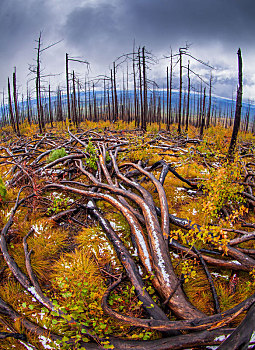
[[221, 105]]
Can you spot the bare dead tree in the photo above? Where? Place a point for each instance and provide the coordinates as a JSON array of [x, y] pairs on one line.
[[238, 111], [50, 109], [68, 92], [188, 101], [116, 108], [15, 101], [10, 108], [38, 88], [209, 104], [203, 116], [145, 103]]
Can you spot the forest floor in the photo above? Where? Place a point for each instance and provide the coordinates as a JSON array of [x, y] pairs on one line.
[[73, 263]]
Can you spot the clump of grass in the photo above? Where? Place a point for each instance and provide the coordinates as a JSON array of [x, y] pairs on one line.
[[56, 154]]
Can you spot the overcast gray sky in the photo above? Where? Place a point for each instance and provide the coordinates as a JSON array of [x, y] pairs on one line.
[[100, 30]]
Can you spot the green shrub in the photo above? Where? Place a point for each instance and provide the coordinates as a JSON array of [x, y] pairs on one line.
[[3, 190], [92, 160], [56, 154]]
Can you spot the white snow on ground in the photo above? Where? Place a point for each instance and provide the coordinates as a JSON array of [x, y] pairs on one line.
[[216, 274]]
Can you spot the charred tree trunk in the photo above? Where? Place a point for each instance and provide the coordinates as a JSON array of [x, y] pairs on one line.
[[75, 121], [188, 98], [67, 92], [28, 107], [145, 103], [50, 109], [203, 117], [113, 104], [209, 104], [180, 94], [170, 89], [167, 99], [116, 116], [15, 101], [10, 107], [237, 120], [38, 89], [141, 89]]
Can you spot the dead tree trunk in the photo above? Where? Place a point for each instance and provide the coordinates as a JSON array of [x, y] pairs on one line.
[[188, 98], [16, 102], [180, 94], [145, 103], [50, 109], [113, 104], [116, 116], [141, 89], [74, 103], [67, 92], [209, 104], [38, 89], [10, 107], [135, 97], [203, 117], [237, 120]]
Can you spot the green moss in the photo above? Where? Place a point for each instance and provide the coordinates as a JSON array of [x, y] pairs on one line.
[[56, 154]]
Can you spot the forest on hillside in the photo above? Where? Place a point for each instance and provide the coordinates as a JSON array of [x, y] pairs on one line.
[[127, 220]]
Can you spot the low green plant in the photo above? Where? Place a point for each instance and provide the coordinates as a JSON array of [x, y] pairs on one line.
[[3, 190], [56, 154], [92, 160], [59, 203]]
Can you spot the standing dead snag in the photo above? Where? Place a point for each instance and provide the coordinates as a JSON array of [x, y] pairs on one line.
[[237, 120], [16, 101], [38, 88], [10, 108], [67, 91]]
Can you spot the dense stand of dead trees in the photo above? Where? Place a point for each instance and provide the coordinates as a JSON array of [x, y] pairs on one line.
[[103, 98]]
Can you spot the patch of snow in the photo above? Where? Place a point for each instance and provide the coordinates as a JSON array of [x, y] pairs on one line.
[[26, 346], [41, 315], [35, 294], [161, 261], [44, 341], [216, 164], [115, 226], [176, 256], [8, 214], [178, 189], [38, 229], [90, 204], [221, 338], [140, 270], [191, 191], [252, 337], [236, 262], [216, 274]]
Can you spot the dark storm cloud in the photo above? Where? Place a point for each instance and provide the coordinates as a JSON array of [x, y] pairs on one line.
[[20, 24], [20, 21], [223, 20], [161, 23], [101, 30]]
